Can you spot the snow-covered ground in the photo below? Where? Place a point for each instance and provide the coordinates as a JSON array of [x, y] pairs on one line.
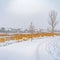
[[45, 48]]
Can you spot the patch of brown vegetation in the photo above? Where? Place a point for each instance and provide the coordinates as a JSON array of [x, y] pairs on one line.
[[20, 37], [2, 39]]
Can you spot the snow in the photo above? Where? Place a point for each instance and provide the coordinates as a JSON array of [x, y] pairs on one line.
[[44, 48], [7, 43]]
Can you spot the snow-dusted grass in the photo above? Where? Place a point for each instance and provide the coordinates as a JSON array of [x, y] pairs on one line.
[[44, 48]]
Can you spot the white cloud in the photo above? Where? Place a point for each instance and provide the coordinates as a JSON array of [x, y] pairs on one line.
[[26, 6], [19, 13]]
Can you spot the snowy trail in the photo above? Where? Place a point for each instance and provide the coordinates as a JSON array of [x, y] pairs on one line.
[[48, 48]]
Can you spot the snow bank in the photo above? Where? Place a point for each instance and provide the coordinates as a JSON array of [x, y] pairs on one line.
[[46, 48], [7, 43]]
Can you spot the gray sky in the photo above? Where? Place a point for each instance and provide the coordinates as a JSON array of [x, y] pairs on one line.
[[19, 13]]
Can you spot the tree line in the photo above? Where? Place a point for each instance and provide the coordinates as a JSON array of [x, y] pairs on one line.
[[52, 24]]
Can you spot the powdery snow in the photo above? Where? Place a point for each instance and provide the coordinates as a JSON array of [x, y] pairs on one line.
[[45, 48]]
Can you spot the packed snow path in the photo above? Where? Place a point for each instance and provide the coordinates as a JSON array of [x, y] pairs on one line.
[[45, 48]]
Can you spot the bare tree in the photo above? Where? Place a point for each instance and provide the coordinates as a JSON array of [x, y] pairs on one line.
[[31, 29], [52, 21]]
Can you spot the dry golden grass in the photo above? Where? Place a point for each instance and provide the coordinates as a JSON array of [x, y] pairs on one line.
[[20, 37], [2, 40]]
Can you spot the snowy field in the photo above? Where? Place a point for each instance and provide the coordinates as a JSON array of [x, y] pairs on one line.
[[45, 48]]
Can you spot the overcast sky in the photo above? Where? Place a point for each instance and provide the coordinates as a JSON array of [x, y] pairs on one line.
[[19, 13]]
